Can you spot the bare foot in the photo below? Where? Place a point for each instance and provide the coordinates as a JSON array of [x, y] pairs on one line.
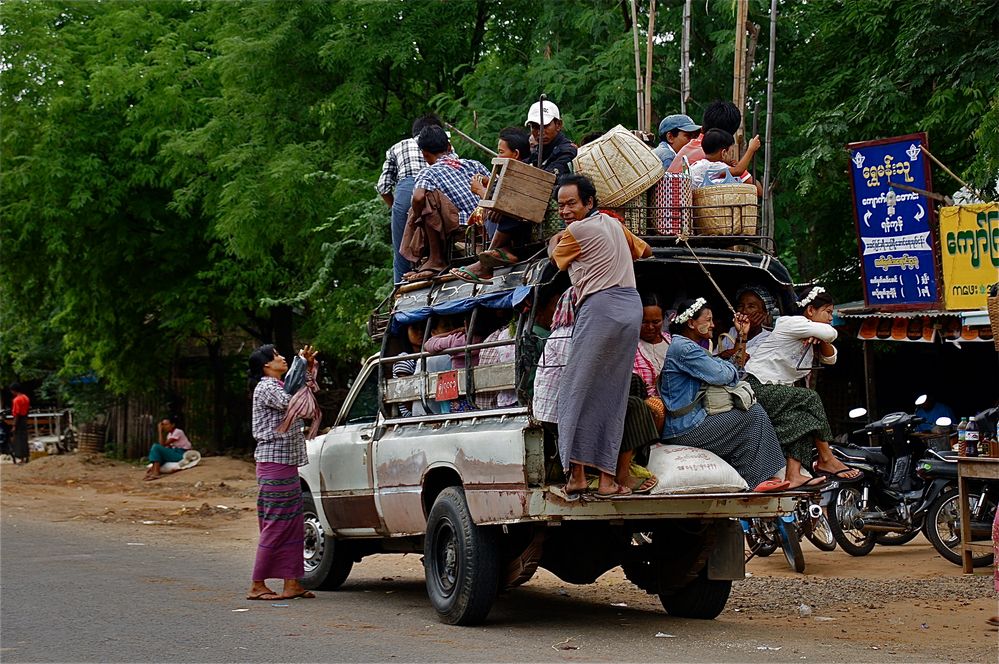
[[294, 589], [150, 477]]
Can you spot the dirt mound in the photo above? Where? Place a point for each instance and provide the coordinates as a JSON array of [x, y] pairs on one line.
[[95, 468]]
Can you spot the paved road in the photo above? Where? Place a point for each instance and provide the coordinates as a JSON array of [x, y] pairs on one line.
[[74, 593]]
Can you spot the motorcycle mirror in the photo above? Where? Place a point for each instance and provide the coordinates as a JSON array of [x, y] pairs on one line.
[[857, 413], [921, 399], [944, 421]]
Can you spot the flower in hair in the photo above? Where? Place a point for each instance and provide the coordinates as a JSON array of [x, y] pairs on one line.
[[689, 312], [812, 294]]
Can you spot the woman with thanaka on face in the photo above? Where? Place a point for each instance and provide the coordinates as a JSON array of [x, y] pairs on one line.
[[743, 438], [784, 357], [598, 252], [505, 232], [652, 344]]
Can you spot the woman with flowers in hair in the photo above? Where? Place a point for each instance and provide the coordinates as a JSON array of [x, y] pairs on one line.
[[743, 438], [783, 358]]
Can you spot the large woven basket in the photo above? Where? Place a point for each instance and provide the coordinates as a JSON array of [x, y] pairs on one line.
[[993, 308], [726, 209], [620, 165]]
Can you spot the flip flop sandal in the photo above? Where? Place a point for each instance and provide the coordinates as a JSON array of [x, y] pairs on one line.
[[621, 492], [305, 594], [769, 486], [636, 485], [815, 484], [467, 275], [265, 596], [496, 258], [421, 275], [838, 475]]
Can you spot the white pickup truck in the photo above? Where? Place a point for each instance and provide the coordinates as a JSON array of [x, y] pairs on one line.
[[478, 492]]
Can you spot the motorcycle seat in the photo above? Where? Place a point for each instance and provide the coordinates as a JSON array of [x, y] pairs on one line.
[[870, 455], [938, 468]]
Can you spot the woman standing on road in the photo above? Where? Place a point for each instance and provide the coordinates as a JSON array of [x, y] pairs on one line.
[[278, 456]]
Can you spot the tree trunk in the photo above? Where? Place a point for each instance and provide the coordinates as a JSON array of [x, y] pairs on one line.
[[217, 364]]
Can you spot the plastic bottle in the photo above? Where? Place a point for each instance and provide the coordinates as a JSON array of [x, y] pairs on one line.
[[971, 438], [961, 429]]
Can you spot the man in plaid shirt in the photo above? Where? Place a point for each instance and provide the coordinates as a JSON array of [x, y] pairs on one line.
[[403, 162]]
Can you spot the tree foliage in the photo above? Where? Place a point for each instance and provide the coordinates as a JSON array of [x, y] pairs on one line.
[[175, 172]]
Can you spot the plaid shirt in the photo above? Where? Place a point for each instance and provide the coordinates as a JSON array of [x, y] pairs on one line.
[[270, 402], [452, 176], [402, 160]]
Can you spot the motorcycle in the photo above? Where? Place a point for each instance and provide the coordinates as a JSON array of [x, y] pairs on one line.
[[764, 536], [942, 525], [891, 498]]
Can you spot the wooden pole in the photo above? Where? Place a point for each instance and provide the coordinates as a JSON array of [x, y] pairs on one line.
[[648, 66], [768, 229], [739, 66], [640, 100], [685, 59]]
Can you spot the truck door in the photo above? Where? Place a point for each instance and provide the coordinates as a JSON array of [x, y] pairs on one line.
[[345, 460]]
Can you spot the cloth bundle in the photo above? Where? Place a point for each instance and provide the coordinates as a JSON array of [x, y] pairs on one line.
[[303, 403]]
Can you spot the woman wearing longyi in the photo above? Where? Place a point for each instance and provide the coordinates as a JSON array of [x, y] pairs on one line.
[[784, 357], [743, 438], [278, 456]]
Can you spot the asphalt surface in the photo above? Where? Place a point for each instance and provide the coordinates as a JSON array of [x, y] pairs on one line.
[[73, 593]]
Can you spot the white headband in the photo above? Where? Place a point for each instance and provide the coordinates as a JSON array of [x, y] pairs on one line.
[[683, 317], [812, 294]]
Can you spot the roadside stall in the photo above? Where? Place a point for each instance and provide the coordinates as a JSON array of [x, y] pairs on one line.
[[924, 326]]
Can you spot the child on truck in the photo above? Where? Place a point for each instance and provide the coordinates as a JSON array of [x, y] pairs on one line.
[[718, 157]]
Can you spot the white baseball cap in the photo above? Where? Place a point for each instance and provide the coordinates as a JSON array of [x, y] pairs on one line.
[[534, 115]]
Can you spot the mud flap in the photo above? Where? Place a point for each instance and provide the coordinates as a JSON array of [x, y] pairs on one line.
[[727, 560]]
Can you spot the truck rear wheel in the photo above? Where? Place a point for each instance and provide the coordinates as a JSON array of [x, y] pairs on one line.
[[702, 598], [461, 561], [327, 561]]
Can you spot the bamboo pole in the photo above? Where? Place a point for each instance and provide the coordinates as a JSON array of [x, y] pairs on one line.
[[739, 67], [685, 58], [639, 95], [648, 67], [768, 227]]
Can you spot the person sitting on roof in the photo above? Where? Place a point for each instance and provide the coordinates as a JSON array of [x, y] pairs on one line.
[[675, 131], [442, 203], [718, 156], [558, 151], [504, 232]]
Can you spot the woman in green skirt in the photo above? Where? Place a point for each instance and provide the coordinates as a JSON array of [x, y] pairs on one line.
[[784, 358]]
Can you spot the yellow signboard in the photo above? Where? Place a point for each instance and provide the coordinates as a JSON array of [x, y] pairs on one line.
[[969, 251]]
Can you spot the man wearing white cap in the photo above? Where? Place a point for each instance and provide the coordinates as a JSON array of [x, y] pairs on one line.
[[558, 150]]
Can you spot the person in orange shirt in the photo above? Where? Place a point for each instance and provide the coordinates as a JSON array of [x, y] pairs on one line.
[[19, 411]]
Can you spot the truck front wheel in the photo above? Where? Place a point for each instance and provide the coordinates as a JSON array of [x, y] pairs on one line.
[[327, 561], [702, 598], [461, 561]]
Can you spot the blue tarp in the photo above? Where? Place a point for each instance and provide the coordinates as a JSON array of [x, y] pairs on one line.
[[502, 300]]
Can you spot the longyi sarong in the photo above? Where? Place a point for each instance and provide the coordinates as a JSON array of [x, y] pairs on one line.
[[593, 392], [282, 528]]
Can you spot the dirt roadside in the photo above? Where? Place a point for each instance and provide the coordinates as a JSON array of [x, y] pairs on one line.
[[902, 600]]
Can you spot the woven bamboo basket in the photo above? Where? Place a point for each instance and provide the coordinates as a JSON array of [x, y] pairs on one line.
[[620, 165], [726, 209], [993, 308]]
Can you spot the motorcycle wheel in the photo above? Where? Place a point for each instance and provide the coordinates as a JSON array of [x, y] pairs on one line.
[[845, 505], [943, 527], [761, 538], [790, 541], [896, 539], [821, 535]]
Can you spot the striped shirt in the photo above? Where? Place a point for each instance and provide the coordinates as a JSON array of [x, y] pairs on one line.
[[270, 402]]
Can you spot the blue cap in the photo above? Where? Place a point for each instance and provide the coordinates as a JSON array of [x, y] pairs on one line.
[[678, 121]]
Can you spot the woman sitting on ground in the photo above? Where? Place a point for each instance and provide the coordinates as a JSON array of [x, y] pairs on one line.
[[782, 359], [743, 438], [505, 232]]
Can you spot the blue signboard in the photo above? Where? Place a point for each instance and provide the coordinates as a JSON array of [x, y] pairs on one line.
[[894, 224]]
